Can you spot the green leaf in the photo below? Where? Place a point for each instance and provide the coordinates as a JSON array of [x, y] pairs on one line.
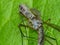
[[10, 19]]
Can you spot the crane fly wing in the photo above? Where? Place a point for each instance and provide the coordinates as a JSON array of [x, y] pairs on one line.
[[35, 12]]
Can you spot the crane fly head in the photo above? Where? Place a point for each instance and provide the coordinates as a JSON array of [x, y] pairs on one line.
[[22, 8]]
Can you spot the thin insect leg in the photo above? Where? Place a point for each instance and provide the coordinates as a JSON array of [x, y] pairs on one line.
[[23, 34], [53, 26], [36, 39], [48, 41], [56, 40], [50, 37], [45, 35], [22, 39], [22, 21], [32, 37], [30, 27]]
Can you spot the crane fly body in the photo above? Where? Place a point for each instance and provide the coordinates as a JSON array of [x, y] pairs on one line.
[[31, 17], [36, 22]]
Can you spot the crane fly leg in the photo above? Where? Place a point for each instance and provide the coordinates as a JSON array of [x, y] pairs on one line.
[[30, 27], [23, 34], [48, 41]]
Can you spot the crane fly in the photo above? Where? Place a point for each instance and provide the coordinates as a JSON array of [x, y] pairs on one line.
[[35, 23]]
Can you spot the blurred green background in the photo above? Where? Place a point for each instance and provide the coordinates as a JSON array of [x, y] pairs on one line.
[[10, 19]]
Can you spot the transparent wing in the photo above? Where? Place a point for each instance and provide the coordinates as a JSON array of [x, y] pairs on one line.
[[35, 12]]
